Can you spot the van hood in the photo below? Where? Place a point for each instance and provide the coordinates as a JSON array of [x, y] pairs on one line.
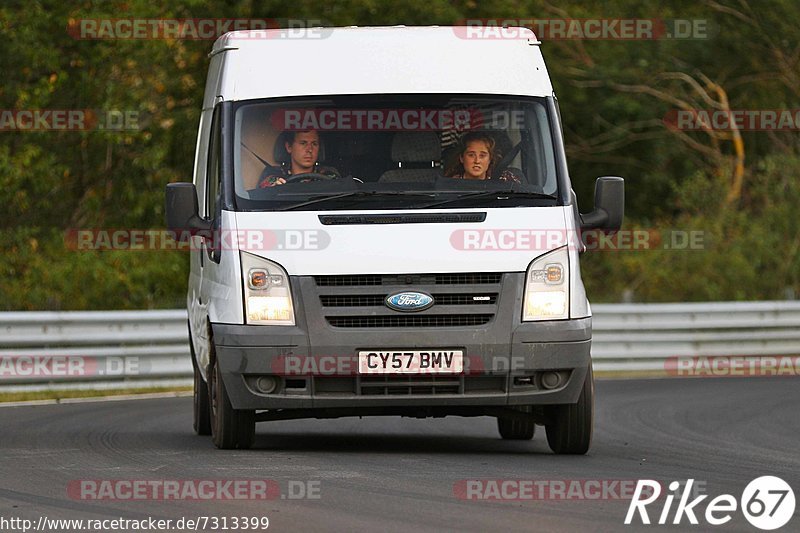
[[507, 240]]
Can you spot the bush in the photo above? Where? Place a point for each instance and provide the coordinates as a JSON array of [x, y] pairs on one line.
[[750, 250], [42, 271]]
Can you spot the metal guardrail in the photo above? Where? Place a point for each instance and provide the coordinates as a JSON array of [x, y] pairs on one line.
[[146, 348], [641, 337], [93, 349]]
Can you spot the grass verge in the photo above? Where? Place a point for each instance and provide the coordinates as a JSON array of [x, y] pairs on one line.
[[63, 394]]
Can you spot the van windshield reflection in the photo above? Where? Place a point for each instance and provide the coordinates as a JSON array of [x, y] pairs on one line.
[[393, 151]]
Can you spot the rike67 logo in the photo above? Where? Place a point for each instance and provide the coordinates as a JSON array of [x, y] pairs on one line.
[[767, 503]]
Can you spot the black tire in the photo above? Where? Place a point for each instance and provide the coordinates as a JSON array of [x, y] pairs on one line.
[[230, 428], [569, 430], [516, 429], [202, 410]]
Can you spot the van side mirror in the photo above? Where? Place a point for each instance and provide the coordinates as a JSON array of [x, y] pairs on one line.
[[609, 205], [182, 211]]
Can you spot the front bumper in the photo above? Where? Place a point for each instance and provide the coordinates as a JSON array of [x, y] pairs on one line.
[[500, 369]]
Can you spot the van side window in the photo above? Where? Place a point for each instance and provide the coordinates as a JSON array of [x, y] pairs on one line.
[[213, 174]]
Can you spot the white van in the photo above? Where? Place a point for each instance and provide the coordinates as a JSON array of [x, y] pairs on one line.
[[382, 223]]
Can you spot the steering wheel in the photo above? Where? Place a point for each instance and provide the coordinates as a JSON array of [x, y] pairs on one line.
[[310, 176]]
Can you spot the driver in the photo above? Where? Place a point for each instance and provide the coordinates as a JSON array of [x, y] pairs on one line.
[[303, 150]]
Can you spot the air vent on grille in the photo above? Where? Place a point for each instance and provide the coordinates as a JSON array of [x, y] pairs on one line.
[[345, 281], [465, 299], [407, 321], [467, 278], [402, 218], [351, 301], [398, 385]]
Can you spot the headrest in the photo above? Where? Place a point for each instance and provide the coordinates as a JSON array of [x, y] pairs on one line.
[[502, 143], [416, 147]]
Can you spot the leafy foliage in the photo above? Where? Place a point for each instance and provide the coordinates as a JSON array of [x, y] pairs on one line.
[[613, 96]]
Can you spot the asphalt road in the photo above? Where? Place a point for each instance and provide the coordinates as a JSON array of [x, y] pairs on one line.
[[394, 474]]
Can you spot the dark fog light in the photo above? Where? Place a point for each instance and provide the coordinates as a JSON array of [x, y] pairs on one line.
[[266, 384], [551, 380]]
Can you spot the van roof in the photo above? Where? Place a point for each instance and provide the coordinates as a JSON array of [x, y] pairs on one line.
[[376, 60]]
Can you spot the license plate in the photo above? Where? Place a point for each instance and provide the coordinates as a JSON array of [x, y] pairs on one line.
[[411, 362]]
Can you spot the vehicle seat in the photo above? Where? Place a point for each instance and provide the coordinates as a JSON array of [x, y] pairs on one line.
[[416, 155]]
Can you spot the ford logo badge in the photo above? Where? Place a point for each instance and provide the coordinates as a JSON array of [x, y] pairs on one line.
[[409, 301]]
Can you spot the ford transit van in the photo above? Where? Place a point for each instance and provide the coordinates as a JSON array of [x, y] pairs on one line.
[[381, 222]]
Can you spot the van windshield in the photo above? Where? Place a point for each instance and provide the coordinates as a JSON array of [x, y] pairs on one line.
[[393, 151]]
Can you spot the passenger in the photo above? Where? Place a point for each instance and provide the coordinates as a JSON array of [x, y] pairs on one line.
[[476, 157], [303, 150]]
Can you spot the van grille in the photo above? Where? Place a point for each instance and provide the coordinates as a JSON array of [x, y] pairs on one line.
[[374, 300], [358, 300]]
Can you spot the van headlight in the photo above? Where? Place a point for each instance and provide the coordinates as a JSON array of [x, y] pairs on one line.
[[267, 296], [547, 287]]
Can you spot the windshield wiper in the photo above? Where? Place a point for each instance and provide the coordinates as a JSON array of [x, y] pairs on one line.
[[355, 194], [499, 194]]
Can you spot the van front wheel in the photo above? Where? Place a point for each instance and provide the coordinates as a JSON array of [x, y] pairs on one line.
[[202, 411], [517, 428], [569, 427], [202, 414], [230, 428]]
